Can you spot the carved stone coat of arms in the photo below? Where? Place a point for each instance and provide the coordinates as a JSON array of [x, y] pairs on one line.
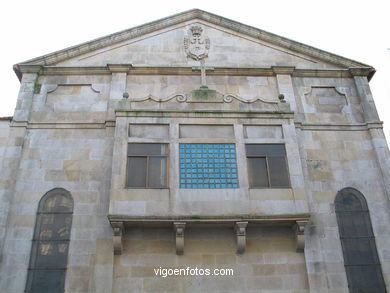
[[196, 44]]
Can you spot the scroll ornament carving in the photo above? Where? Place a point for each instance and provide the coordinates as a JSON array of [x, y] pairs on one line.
[[224, 98], [299, 228], [118, 228], [240, 228], [179, 236]]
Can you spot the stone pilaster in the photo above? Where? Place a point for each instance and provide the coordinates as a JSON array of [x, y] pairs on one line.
[[382, 153], [296, 169], [26, 92], [118, 85], [375, 128], [369, 110], [285, 85]]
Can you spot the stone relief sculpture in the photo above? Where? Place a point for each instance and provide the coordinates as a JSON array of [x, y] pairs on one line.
[[196, 45]]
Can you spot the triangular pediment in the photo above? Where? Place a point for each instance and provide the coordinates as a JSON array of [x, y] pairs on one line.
[[161, 43]]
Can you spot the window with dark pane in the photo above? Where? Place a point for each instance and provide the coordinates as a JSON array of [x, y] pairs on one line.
[[361, 260], [49, 252], [147, 165], [267, 166], [208, 166]]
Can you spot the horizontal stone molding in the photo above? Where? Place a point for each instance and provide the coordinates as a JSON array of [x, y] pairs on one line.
[[166, 221], [180, 70], [340, 127], [226, 114], [51, 88], [203, 114], [37, 125]]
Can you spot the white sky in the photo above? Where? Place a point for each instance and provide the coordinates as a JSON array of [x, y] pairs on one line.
[[358, 30]]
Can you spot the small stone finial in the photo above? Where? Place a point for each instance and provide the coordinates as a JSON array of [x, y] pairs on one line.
[[125, 95], [281, 98]]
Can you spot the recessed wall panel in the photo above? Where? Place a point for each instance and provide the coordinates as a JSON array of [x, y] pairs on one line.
[[206, 131]]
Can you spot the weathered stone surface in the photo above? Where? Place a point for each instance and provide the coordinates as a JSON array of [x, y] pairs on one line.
[[79, 108]]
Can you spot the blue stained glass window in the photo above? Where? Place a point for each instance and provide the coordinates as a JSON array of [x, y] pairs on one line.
[[210, 165]]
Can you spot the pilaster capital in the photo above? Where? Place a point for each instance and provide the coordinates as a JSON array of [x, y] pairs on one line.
[[283, 70], [360, 71], [29, 68], [119, 68]]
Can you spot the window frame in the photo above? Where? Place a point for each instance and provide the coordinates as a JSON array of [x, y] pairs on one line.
[[366, 233], [237, 184], [34, 262], [248, 157], [166, 156]]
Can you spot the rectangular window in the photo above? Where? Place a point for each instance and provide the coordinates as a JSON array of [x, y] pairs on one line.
[[208, 166], [147, 165], [267, 166]]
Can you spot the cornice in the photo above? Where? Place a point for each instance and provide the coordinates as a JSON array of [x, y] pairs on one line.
[[217, 71]]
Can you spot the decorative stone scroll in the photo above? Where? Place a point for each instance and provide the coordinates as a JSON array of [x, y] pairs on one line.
[[240, 229], [299, 229], [118, 228], [204, 95], [179, 236]]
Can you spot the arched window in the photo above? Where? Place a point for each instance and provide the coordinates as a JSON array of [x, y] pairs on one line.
[[49, 252], [361, 260]]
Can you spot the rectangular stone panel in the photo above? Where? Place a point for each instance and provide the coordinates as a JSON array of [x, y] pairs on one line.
[[149, 130], [206, 131], [263, 131]]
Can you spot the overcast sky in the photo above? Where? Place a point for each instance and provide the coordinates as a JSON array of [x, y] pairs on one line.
[[358, 30]]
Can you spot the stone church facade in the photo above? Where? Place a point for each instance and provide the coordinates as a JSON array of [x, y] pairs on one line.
[[194, 143]]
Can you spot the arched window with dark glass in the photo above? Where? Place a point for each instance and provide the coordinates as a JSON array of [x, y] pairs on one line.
[[50, 244], [361, 260]]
